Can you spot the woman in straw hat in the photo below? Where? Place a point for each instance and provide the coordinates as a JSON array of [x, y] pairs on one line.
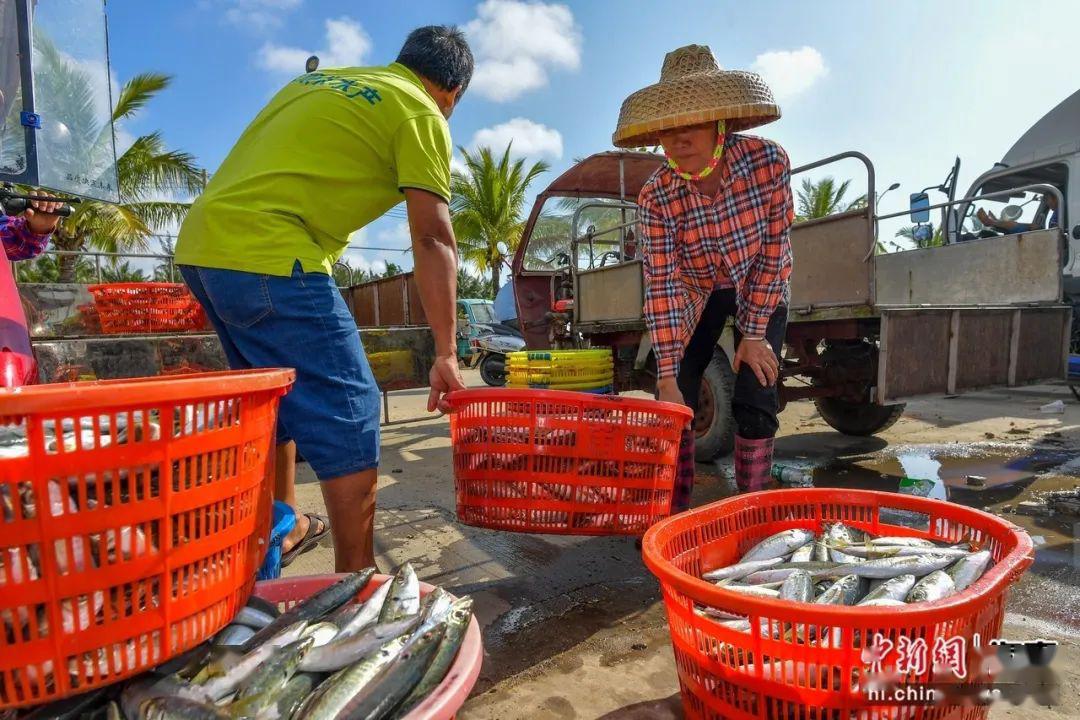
[[714, 234]]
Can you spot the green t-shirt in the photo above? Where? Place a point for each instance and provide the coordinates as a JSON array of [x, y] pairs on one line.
[[330, 153]]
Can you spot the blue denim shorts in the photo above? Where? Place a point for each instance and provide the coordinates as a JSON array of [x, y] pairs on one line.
[[300, 322]]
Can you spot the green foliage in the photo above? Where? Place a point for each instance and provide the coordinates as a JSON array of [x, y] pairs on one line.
[[487, 207], [471, 287], [824, 197], [937, 240], [46, 269], [122, 272]]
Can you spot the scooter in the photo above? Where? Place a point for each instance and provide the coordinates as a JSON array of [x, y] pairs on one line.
[[490, 349]]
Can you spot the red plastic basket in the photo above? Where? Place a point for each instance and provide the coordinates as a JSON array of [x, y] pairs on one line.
[[548, 461], [136, 538], [777, 673], [147, 308], [449, 696]]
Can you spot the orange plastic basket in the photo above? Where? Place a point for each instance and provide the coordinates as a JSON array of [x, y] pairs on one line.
[[548, 461], [137, 537], [147, 308], [807, 663], [447, 698]]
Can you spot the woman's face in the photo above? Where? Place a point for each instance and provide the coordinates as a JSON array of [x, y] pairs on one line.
[[691, 147]]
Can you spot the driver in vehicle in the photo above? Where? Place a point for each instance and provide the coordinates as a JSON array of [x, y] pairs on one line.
[[714, 227], [1049, 204]]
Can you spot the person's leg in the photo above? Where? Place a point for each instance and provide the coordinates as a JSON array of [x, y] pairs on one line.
[[350, 503], [697, 356], [285, 462], [755, 410]]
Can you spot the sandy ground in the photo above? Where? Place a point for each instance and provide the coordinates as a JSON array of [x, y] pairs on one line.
[[574, 628]]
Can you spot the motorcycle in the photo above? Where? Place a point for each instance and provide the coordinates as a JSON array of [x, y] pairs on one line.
[[490, 349]]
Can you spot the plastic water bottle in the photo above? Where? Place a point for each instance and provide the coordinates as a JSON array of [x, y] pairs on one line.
[[792, 477]]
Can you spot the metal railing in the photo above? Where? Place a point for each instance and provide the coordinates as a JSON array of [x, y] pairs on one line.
[[98, 255]]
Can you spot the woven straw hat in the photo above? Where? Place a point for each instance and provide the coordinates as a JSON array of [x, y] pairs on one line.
[[693, 89]]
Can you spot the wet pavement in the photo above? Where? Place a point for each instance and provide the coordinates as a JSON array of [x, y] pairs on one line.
[[573, 627]]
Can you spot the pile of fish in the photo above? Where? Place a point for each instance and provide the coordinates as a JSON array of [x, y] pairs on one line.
[[846, 566], [326, 658]]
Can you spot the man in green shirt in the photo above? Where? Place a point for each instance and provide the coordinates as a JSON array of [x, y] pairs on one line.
[[330, 153]]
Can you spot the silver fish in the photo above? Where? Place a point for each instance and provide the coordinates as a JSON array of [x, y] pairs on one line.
[[821, 551], [781, 572], [170, 707], [780, 544], [233, 636], [457, 624], [225, 678], [842, 592], [739, 570], [321, 633], [798, 587], [917, 565], [752, 590], [253, 618], [298, 689], [969, 569], [935, 586], [903, 541], [882, 602], [803, 554], [896, 588], [261, 689], [838, 535], [141, 690], [873, 551], [404, 597], [368, 614], [336, 655], [315, 607]]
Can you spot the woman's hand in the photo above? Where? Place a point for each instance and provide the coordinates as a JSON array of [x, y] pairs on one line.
[[668, 391], [759, 356], [39, 217]]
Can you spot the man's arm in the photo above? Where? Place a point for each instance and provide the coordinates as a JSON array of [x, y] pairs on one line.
[[435, 265]]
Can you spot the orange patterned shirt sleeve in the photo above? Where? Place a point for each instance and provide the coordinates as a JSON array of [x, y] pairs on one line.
[[767, 281], [664, 291]]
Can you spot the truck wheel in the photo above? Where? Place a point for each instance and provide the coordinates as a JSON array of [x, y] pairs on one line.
[[493, 371], [714, 426], [860, 419]]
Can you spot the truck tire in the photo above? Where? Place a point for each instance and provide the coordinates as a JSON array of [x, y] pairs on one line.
[[714, 426], [859, 419], [493, 370]]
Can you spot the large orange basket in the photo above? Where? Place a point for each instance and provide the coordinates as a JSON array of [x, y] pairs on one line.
[[447, 698], [132, 522], [548, 461], [807, 663], [130, 308]]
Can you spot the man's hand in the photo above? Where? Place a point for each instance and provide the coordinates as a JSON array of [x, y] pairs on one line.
[[668, 391], [444, 378], [38, 216], [759, 356]]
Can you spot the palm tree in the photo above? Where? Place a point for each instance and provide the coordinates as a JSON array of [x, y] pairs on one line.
[[937, 240], [487, 207], [824, 197], [146, 171], [121, 272]]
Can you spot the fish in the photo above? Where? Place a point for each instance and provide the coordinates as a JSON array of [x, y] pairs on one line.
[[837, 535], [253, 618], [798, 587], [321, 633], [143, 689], [336, 655], [264, 606], [367, 615], [404, 597], [842, 592], [881, 602], [803, 554], [331, 700], [315, 607], [262, 687], [969, 569], [741, 569], [233, 636], [778, 545], [821, 551], [298, 689], [436, 611], [457, 624], [781, 572], [872, 550], [224, 677], [935, 586], [378, 698], [752, 590], [170, 707], [896, 588], [917, 565], [904, 541]]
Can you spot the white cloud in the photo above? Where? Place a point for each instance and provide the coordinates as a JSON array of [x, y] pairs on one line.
[[397, 236], [346, 44], [257, 15], [458, 165], [516, 43], [530, 139], [790, 72]]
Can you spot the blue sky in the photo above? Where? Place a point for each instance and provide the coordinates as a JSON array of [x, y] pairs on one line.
[[910, 84]]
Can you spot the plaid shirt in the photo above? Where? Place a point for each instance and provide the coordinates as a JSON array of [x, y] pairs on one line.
[[19, 242], [743, 232]]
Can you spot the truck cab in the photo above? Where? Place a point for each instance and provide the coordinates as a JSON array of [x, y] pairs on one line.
[[473, 315]]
